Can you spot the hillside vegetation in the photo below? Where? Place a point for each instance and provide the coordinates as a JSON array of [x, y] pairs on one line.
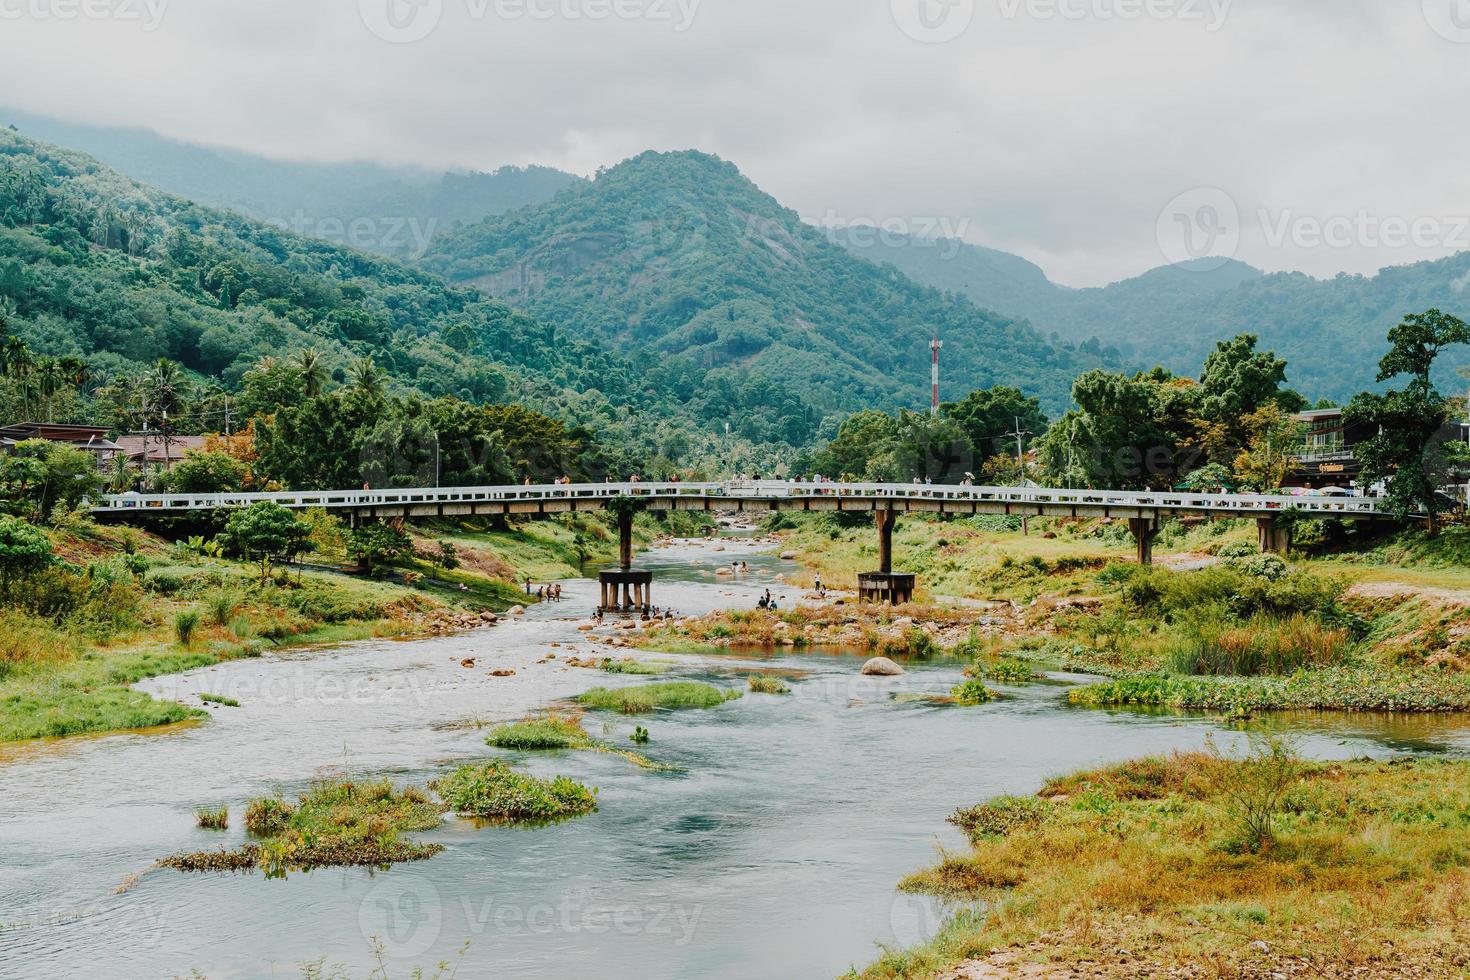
[[681, 255]]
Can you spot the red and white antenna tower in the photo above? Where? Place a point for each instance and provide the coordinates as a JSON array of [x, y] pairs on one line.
[[935, 345]]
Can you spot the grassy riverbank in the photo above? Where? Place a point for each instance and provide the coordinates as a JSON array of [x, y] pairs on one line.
[[1214, 626], [118, 606], [1211, 867]]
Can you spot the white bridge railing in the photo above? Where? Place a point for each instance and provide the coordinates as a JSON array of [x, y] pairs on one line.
[[771, 490]]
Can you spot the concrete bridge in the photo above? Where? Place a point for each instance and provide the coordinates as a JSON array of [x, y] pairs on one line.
[[1143, 510]]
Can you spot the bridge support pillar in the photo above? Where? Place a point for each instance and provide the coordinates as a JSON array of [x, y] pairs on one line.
[[885, 585], [625, 541], [1273, 538], [1145, 530], [625, 590]]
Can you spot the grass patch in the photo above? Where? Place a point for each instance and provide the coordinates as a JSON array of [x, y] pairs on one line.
[[556, 733], [672, 696], [1007, 670], [1360, 869], [633, 667], [765, 684], [219, 699], [1367, 688], [497, 791], [216, 819], [337, 823]]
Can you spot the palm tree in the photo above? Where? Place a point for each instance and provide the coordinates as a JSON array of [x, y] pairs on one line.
[[366, 376], [313, 372]]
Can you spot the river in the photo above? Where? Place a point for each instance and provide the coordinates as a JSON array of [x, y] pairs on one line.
[[773, 853]]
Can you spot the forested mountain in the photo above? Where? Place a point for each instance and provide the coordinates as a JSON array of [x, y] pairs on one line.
[[391, 210], [678, 254], [1332, 331], [116, 274]]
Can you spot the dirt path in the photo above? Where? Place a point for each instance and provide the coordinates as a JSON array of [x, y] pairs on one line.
[[1397, 590]]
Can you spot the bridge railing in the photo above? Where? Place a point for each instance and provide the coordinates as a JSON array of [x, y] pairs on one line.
[[748, 490]]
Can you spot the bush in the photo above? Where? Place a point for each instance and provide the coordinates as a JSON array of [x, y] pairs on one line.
[[972, 693], [1008, 670], [186, 624], [221, 605], [497, 791], [1270, 567], [1254, 789], [762, 684]]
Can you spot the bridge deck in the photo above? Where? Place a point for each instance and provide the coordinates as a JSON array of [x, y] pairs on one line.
[[757, 496]]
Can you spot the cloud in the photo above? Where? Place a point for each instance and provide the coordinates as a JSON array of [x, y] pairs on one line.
[[1057, 129]]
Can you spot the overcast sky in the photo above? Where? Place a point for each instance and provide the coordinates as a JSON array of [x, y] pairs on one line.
[[1098, 138]]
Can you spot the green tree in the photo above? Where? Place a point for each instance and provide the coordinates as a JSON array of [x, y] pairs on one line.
[[264, 531], [1273, 442], [42, 475], [24, 550], [1238, 379], [209, 472], [1404, 449], [376, 545], [313, 372], [989, 417], [862, 436]]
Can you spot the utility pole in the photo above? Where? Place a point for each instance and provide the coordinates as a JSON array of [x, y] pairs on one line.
[[935, 346], [1020, 435]]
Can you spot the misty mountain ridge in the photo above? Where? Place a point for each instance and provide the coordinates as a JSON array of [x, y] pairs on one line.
[[1333, 331], [393, 211]]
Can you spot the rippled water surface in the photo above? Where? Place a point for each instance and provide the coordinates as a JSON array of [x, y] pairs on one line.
[[773, 853]]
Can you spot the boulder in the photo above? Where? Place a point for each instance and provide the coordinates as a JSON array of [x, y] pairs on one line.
[[514, 611], [788, 556], [881, 667]]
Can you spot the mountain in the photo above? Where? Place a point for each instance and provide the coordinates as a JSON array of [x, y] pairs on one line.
[[678, 255], [388, 210], [1332, 331]]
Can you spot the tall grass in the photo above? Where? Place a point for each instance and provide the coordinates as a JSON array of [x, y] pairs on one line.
[[186, 625], [26, 641], [1262, 645]]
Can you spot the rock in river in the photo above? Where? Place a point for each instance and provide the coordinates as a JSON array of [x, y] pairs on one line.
[[881, 667]]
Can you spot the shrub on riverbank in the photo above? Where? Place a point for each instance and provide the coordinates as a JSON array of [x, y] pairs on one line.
[[497, 791], [674, 696], [1261, 645], [1363, 872]]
